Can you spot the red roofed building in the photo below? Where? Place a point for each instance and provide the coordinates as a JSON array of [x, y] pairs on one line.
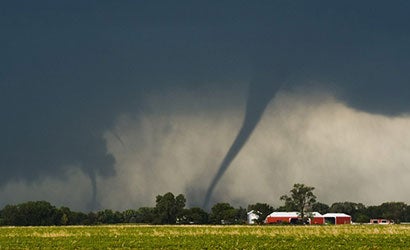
[[293, 218], [337, 218]]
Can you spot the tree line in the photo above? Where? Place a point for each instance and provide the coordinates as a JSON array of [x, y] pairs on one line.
[[170, 209]]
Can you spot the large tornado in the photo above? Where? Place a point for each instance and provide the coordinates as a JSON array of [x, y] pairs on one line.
[[261, 90]]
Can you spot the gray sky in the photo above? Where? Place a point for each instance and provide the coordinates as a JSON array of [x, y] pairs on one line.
[[107, 104]]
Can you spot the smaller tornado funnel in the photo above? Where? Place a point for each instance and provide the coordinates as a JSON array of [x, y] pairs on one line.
[[261, 90], [93, 204]]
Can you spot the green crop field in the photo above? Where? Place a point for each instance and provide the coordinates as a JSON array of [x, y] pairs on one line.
[[207, 237]]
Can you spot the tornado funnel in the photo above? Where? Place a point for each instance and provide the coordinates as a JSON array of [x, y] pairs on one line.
[[261, 90]]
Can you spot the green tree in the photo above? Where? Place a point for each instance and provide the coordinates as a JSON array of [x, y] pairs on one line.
[[395, 211], [363, 218], [222, 213], [79, 218], [108, 216], [10, 216], [145, 215], [130, 216], [37, 213], [373, 212], [301, 198], [65, 215], [407, 214], [320, 207], [356, 210], [194, 215], [91, 219], [241, 216], [168, 208], [262, 210]]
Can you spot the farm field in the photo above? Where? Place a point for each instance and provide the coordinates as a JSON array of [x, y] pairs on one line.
[[206, 237]]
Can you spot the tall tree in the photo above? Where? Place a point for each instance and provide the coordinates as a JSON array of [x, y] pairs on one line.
[[222, 213], [168, 208], [301, 197]]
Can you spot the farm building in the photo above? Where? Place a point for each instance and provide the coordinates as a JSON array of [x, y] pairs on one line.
[[252, 216], [337, 218], [380, 221], [293, 218]]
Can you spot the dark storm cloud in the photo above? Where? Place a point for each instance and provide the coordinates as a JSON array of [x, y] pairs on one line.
[[69, 69]]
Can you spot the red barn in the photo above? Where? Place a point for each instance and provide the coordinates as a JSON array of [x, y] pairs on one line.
[[317, 219], [293, 218], [281, 217], [337, 218]]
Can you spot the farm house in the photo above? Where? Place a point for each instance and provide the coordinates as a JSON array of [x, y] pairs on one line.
[[252, 216], [293, 218], [337, 218]]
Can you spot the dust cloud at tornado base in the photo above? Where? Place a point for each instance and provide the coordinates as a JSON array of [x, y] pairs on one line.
[[348, 155]]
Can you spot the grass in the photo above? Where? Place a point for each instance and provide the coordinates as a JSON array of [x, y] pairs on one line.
[[206, 237]]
